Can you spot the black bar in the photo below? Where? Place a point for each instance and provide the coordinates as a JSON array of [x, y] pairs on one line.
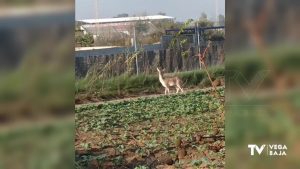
[[191, 30]]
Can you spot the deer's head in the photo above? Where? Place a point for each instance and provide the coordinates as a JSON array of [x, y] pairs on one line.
[[160, 70]]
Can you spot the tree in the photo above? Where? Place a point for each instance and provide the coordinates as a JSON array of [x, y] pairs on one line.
[[121, 15], [203, 21], [161, 13], [85, 40], [162, 25], [203, 16]]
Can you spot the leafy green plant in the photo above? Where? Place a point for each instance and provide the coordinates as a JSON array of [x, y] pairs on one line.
[[85, 40], [149, 125], [196, 162]]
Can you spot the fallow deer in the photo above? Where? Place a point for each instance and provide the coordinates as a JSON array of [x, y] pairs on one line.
[[169, 82]]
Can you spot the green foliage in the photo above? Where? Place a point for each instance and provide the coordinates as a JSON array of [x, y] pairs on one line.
[[211, 34], [178, 41], [217, 36], [127, 85], [38, 146], [166, 24], [108, 115], [38, 87], [154, 122], [196, 162], [205, 23], [258, 112], [242, 70], [85, 40]]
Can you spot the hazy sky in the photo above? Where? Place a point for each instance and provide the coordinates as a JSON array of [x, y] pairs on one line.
[[180, 9]]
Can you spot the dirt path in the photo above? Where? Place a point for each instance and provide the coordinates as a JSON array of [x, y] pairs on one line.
[[138, 97]]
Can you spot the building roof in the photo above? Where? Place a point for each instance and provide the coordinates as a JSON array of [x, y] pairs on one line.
[[94, 48], [126, 19]]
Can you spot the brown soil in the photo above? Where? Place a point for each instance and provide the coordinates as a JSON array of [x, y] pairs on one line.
[[159, 158]]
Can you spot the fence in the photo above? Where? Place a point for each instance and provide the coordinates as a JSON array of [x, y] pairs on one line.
[[114, 61]]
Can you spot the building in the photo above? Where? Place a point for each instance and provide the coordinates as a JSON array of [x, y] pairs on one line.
[[117, 26]]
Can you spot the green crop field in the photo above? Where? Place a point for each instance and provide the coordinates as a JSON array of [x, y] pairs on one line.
[[184, 130]]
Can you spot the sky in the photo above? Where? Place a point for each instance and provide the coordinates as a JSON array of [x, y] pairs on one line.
[[180, 9]]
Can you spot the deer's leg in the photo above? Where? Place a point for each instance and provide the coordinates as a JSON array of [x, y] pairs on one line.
[[165, 90], [177, 89], [181, 89], [168, 90]]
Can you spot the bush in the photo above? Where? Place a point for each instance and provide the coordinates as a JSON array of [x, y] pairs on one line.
[[85, 40]]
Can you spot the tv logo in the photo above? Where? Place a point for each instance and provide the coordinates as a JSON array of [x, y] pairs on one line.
[[271, 150], [257, 148]]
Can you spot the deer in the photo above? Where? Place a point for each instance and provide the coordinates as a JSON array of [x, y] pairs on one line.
[[169, 82]]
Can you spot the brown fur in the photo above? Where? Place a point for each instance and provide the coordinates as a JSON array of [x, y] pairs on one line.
[[170, 82]]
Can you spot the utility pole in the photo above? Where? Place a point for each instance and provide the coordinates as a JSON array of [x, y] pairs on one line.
[[135, 51], [198, 40], [97, 17], [217, 12]]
